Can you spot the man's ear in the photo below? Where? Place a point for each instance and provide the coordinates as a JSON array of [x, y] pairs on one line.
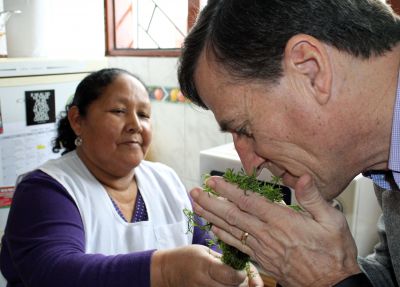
[[307, 56], [75, 119]]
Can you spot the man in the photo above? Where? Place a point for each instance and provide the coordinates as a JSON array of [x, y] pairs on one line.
[[309, 89]]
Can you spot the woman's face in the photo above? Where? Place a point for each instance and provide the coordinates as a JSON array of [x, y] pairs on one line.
[[116, 131]]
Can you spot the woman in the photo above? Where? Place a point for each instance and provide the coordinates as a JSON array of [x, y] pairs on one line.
[[101, 215]]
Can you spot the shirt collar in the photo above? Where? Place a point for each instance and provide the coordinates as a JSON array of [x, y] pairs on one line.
[[394, 158], [390, 179]]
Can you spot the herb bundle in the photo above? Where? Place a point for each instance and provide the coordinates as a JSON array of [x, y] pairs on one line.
[[272, 191]]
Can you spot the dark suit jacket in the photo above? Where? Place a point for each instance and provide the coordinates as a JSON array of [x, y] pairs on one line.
[[383, 266]]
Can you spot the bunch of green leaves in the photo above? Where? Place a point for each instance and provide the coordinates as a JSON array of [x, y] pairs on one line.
[[272, 191]]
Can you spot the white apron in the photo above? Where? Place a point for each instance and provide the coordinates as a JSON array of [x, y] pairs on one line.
[[105, 231]]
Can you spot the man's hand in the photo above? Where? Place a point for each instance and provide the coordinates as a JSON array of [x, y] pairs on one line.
[[313, 247]]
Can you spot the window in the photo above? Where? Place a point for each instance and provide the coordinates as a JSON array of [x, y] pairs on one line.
[[148, 27], [154, 27]]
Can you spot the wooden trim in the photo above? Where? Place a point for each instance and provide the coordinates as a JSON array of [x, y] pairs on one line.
[[144, 52], [111, 47], [109, 21], [395, 5], [194, 8]]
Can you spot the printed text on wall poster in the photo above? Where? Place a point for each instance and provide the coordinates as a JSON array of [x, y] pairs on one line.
[[40, 107]]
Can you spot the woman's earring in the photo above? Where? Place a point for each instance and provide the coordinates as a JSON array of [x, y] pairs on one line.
[[78, 141]]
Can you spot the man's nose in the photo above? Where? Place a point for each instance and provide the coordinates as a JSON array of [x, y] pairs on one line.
[[245, 148]]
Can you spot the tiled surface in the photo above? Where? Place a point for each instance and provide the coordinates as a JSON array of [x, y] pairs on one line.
[[162, 71], [167, 94], [168, 133], [200, 132], [154, 71], [138, 66], [180, 132]]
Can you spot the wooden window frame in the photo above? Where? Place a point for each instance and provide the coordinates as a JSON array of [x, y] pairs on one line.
[[111, 48], [395, 5]]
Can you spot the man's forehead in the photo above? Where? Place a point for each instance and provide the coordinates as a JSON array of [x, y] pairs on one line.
[[220, 92], [209, 69]]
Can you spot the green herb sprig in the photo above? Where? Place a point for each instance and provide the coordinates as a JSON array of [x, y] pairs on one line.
[[272, 191]]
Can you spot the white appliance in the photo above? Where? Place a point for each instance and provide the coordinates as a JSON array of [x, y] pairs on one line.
[[357, 202]]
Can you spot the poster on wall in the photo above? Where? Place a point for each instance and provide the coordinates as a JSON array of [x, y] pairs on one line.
[[40, 107], [23, 150]]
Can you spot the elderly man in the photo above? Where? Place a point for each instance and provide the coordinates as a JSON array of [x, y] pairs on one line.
[[310, 90]]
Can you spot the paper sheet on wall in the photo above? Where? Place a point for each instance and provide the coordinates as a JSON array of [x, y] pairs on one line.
[[23, 149]]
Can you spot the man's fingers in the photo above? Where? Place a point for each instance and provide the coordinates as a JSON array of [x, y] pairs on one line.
[[310, 198], [223, 213], [248, 201]]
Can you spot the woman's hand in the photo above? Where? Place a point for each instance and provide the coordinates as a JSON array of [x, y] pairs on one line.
[[313, 247], [196, 266]]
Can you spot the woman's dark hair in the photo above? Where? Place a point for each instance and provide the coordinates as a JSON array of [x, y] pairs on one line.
[[248, 38], [89, 90]]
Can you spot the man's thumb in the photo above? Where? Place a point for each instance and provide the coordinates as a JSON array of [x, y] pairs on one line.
[[310, 198]]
